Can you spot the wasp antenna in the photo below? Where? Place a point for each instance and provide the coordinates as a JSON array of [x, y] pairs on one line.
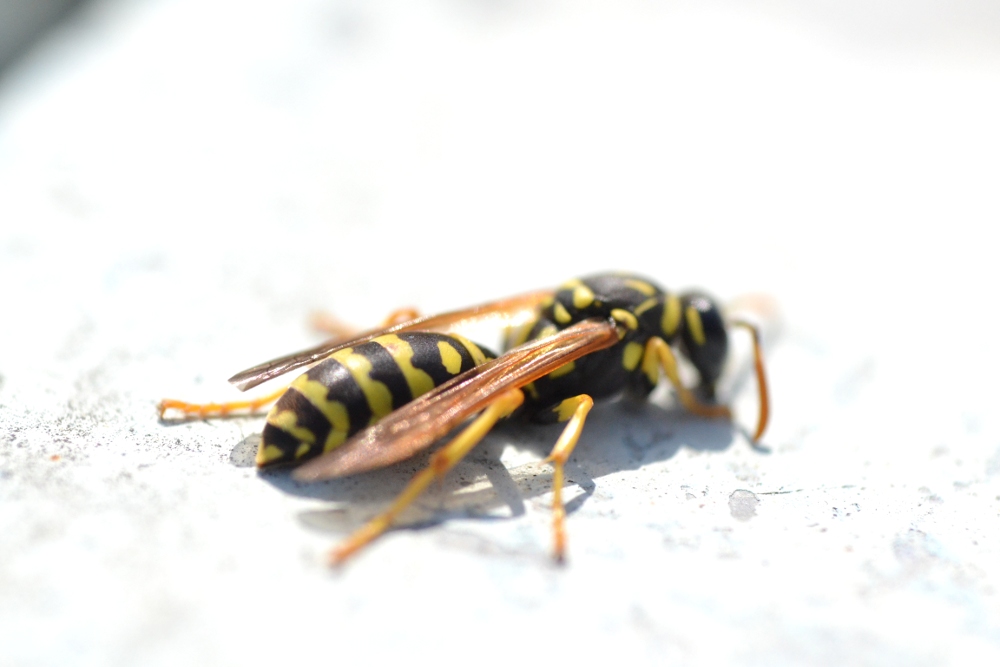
[[758, 363]]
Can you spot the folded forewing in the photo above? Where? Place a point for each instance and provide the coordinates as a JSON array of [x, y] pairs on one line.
[[511, 311], [420, 423]]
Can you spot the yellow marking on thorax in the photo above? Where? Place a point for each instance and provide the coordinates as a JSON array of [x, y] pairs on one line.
[[583, 296], [450, 357], [568, 367], [631, 356], [641, 286], [419, 381], [644, 306], [622, 316], [671, 315], [694, 325], [376, 393], [548, 330], [561, 314]]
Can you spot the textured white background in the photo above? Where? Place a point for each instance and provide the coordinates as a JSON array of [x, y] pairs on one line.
[[182, 183]]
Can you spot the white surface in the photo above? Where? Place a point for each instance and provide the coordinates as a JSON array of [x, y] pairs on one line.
[[182, 183]]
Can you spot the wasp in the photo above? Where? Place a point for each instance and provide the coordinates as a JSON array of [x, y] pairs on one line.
[[374, 398]]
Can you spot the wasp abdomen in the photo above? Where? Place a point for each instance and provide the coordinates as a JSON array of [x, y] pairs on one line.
[[357, 386]]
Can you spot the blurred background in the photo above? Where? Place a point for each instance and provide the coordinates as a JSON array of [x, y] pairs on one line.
[[182, 183], [23, 22]]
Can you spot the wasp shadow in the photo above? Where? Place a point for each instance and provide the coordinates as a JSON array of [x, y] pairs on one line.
[[618, 436]]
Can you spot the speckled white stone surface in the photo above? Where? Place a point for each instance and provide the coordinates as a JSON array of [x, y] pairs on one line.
[[183, 183]]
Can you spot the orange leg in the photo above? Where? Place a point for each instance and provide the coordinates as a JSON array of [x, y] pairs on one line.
[[204, 410], [328, 324], [401, 315], [575, 411], [442, 461], [758, 363]]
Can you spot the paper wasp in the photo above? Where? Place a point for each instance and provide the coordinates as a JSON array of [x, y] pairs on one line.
[[379, 397]]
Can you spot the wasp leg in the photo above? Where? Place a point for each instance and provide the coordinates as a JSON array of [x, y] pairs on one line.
[[442, 461], [401, 315], [758, 364], [205, 410], [659, 355], [575, 411], [327, 323]]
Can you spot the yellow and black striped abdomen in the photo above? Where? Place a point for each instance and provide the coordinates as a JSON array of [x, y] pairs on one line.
[[355, 387]]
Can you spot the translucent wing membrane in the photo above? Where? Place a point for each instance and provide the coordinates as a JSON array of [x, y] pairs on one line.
[[420, 423], [512, 311]]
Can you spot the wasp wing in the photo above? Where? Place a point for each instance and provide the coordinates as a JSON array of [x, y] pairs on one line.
[[420, 423], [512, 310]]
